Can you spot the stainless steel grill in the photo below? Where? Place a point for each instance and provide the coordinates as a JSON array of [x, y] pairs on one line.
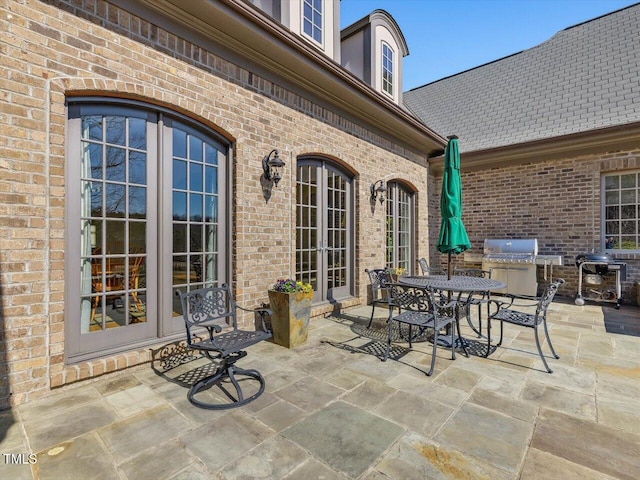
[[513, 262]]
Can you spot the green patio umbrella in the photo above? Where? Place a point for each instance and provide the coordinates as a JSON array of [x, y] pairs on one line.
[[453, 236]]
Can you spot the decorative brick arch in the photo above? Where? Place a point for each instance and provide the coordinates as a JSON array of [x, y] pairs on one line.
[[73, 87]]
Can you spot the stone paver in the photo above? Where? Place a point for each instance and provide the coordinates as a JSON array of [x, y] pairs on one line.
[[544, 466], [487, 435], [333, 410], [601, 448], [274, 458], [129, 437], [225, 439], [345, 437], [82, 457], [48, 431]]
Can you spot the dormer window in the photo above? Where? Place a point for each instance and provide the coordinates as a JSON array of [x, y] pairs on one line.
[[387, 69], [312, 19]]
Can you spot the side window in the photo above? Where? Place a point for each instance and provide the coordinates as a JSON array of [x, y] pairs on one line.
[[387, 69], [312, 19], [620, 199]]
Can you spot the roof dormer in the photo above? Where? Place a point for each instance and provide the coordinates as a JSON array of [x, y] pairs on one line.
[[317, 21], [373, 49]]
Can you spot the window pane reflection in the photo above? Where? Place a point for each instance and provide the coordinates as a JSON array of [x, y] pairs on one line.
[[138, 133], [115, 237], [179, 174], [116, 200], [179, 144], [179, 206], [137, 237], [138, 168], [211, 180], [195, 177], [115, 130], [179, 238], [115, 164]]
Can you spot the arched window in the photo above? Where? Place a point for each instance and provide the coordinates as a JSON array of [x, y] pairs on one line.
[[400, 227], [324, 233], [146, 206]]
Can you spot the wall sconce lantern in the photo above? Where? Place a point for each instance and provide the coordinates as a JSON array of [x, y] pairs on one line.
[[378, 190], [272, 166]]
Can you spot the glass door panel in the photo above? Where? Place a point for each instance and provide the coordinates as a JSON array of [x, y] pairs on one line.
[[399, 248], [111, 210], [196, 219], [323, 230]]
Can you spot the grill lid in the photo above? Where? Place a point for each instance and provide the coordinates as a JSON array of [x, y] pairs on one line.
[[601, 257], [514, 248], [594, 257]]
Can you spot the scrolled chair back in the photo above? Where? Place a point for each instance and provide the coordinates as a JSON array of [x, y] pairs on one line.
[[547, 297], [378, 277], [472, 272], [415, 299], [424, 266]]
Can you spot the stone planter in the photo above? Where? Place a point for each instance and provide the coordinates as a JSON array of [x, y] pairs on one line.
[[290, 318]]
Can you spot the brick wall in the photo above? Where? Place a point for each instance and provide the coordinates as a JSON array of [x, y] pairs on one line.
[[90, 47], [556, 202]]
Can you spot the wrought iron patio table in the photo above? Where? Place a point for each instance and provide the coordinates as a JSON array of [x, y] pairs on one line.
[[457, 283]]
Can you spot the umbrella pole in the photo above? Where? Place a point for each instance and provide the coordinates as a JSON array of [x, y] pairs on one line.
[[449, 266]]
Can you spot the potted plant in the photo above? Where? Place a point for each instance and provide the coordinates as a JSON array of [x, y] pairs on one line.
[[290, 303], [394, 273]]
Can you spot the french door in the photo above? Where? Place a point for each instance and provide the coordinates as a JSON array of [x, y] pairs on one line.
[[146, 216], [400, 227], [324, 239]]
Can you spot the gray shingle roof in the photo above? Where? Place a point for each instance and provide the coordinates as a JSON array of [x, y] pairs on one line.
[[583, 78]]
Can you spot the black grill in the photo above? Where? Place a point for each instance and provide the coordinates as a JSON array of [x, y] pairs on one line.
[[603, 259]]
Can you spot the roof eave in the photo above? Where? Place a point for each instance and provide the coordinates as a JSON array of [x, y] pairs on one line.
[[247, 31], [592, 142]]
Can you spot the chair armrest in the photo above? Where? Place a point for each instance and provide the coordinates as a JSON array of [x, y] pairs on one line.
[[263, 312], [511, 301], [500, 304]]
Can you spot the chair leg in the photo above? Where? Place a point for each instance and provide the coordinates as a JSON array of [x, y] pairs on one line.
[[433, 354], [473, 327], [373, 309], [464, 346], [546, 332], [501, 332], [486, 355], [540, 350], [453, 342], [390, 336], [227, 370]]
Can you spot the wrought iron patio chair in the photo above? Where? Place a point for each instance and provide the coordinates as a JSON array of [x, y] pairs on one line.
[[474, 298], [419, 308], [427, 270], [505, 313], [214, 309], [379, 278]]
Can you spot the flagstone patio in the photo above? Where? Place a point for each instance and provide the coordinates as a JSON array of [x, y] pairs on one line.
[[333, 410]]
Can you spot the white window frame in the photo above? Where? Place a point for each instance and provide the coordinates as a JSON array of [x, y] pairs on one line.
[[303, 18], [384, 82], [619, 196]]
